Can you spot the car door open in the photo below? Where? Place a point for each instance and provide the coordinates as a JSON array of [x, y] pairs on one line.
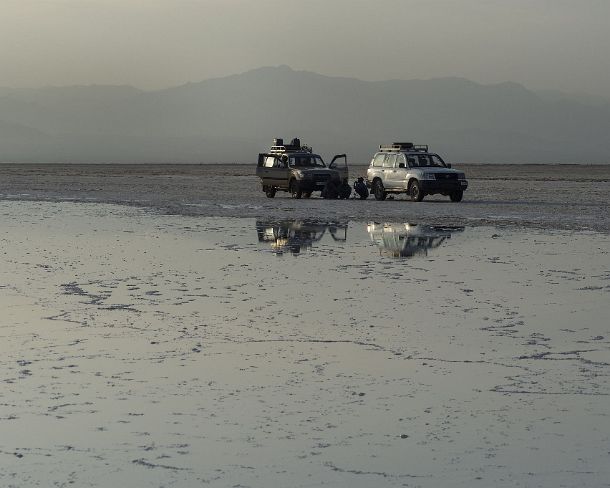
[[339, 163]]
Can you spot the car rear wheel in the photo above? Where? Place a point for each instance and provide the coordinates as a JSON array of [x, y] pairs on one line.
[[417, 195], [379, 190], [456, 196], [306, 194], [270, 192], [295, 191]]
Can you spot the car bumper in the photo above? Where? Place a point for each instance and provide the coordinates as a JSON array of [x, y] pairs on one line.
[[443, 186], [311, 185]]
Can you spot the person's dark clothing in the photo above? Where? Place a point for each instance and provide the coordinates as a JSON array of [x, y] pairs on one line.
[[344, 190], [330, 190], [361, 189]]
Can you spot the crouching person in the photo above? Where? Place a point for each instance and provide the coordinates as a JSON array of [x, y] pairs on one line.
[[361, 189], [330, 190], [344, 189]]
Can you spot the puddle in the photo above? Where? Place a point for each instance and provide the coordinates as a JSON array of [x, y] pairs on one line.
[[242, 352], [399, 240]]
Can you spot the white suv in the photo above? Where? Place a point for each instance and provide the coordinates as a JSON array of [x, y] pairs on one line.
[[402, 167]]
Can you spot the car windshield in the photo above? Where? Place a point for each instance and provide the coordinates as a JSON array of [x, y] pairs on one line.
[[425, 160], [306, 161]]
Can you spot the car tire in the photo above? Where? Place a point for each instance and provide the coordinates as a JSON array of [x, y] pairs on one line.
[[456, 196], [417, 195], [306, 194], [379, 190], [270, 192], [295, 191]]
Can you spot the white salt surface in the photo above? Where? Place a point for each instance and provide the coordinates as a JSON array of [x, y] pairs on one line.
[[147, 350]]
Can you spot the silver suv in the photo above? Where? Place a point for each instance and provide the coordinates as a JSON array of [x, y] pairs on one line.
[[403, 167], [408, 240]]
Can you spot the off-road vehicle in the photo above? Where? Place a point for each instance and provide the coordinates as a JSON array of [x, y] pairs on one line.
[[295, 236], [295, 168], [403, 167], [408, 240]]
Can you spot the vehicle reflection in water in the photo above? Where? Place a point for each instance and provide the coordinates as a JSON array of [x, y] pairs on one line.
[[295, 236], [408, 240]]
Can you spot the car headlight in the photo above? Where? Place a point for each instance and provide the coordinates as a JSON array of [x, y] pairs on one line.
[[461, 176], [429, 176]]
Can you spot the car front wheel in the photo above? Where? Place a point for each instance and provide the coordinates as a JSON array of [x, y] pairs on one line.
[[456, 196], [417, 195], [270, 192], [379, 190]]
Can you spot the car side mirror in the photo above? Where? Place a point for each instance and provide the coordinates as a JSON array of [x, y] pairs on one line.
[[401, 165]]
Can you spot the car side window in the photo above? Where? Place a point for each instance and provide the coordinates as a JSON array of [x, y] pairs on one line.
[[400, 159], [269, 162], [378, 160], [422, 161], [436, 161], [389, 161]]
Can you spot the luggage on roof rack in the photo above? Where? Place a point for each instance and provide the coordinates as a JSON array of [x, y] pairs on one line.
[[294, 146]]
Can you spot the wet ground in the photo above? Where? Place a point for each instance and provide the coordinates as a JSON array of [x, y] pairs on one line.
[[300, 346], [573, 197]]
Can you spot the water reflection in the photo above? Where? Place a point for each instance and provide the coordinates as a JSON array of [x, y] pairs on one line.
[[408, 240], [295, 236]]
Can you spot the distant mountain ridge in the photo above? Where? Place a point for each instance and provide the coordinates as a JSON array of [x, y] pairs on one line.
[[233, 118]]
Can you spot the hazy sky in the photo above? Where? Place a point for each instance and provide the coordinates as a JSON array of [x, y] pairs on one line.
[[559, 44]]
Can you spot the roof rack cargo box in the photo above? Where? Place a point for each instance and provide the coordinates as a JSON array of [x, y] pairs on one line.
[[403, 146]]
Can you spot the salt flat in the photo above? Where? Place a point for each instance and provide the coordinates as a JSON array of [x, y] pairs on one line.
[[143, 349], [573, 197]]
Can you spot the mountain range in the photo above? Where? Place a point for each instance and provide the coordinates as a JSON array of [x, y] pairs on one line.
[[232, 119]]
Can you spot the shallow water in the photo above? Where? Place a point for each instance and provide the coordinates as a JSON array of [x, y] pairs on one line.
[[147, 350]]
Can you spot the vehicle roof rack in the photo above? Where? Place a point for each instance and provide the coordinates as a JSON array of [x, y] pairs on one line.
[[404, 146], [289, 148], [295, 145]]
